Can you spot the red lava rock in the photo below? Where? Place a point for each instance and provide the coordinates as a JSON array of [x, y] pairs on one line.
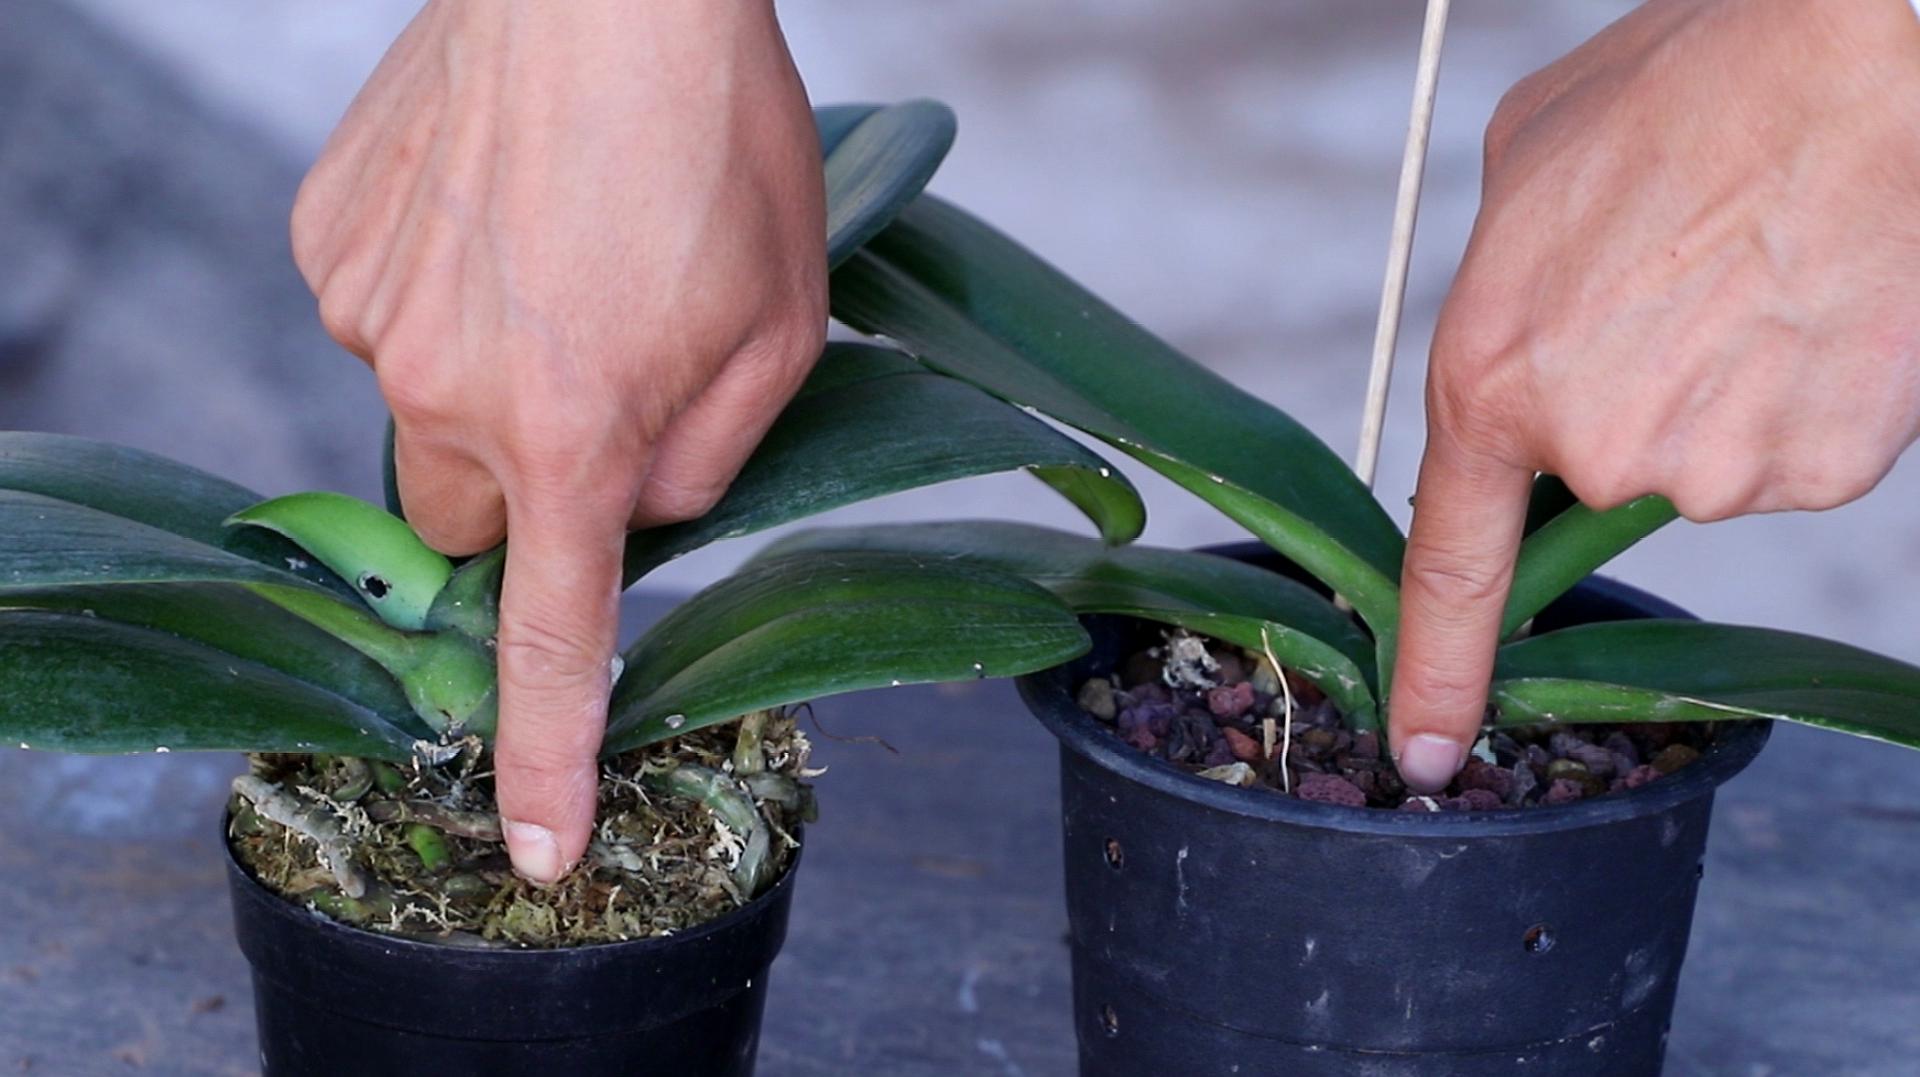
[[1142, 738], [1564, 791], [1420, 804], [1640, 776], [1245, 748], [1367, 745], [1481, 776], [1230, 700], [1330, 789], [1481, 799]]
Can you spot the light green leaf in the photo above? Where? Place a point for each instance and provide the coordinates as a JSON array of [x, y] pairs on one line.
[[1662, 670], [396, 574], [1568, 547], [797, 628]]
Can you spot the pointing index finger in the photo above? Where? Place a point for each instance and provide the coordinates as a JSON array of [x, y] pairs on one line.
[[1468, 517], [559, 620]]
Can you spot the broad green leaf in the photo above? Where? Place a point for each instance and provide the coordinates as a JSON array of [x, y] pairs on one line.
[[393, 571], [878, 165], [872, 422], [52, 543], [835, 122], [796, 628], [972, 303], [237, 622], [1215, 596], [1661, 670], [83, 684], [1570, 546], [147, 489]]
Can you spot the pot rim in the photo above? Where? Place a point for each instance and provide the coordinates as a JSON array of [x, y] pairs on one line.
[[1051, 700], [286, 908]]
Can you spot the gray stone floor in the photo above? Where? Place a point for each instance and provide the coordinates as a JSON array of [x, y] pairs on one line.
[[1221, 168]]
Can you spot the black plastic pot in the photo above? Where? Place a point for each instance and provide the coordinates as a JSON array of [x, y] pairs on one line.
[[1230, 931], [334, 1000]]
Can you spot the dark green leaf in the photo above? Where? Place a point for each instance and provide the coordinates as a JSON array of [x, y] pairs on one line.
[[1625, 671], [53, 542], [835, 122], [878, 165], [972, 303], [151, 490], [871, 422], [1551, 497], [82, 684], [1215, 596], [796, 628], [241, 624], [1570, 546]]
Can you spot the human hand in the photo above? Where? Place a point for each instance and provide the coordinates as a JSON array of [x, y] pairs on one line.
[[582, 245], [1693, 274]]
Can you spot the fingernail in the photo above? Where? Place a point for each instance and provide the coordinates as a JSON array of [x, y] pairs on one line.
[[536, 856], [1428, 761]]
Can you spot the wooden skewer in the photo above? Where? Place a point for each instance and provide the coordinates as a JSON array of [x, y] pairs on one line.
[[1406, 211]]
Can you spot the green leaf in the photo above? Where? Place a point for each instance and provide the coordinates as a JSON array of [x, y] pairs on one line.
[[871, 422], [1215, 596], [82, 684], [60, 543], [1570, 546], [1550, 498], [809, 625], [1661, 670], [970, 302], [835, 122], [147, 489], [396, 574], [878, 165], [239, 623]]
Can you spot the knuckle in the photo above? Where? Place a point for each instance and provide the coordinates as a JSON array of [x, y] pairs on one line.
[[1465, 582], [340, 316], [1712, 497], [538, 658], [670, 500], [413, 392], [1602, 482]]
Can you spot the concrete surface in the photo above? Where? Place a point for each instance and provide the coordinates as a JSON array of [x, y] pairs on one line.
[[1222, 169]]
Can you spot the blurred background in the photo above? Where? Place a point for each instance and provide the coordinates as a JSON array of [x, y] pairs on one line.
[[1223, 170]]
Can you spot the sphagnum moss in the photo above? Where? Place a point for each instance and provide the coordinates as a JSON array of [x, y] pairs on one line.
[[425, 841]]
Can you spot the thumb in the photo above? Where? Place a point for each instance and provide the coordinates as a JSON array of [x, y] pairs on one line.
[[1468, 516], [559, 618]]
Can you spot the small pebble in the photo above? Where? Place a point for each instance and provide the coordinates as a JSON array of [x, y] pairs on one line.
[[1620, 744], [1330, 789], [1219, 754], [1673, 757], [1232, 774], [1640, 776], [1244, 748], [1481, 799], [1264, 680], [1564, 791], [1096, 698], [1367, 745], [1478, 776], [1232, 669], [1422, 804], [1596, 759], [1525, 781], [1568, 769], [1230, 700]]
